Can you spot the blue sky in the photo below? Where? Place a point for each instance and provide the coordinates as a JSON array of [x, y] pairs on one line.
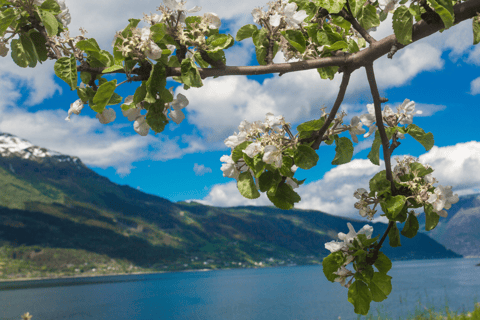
[[440, 73]]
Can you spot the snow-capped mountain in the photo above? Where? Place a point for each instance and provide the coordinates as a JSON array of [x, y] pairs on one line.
[[13, 146]]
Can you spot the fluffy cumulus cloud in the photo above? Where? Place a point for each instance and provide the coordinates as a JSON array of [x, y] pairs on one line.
[[200, 170], [334, 192], [475, 86]]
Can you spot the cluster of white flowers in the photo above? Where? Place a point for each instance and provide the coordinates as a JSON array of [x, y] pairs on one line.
[[64, 16], [140, 124], [268, 138], [346, 248], [420, 189], [280, 11], [140, 44], [404, 115]]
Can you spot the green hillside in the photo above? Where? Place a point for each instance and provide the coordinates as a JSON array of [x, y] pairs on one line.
[[61, 218]]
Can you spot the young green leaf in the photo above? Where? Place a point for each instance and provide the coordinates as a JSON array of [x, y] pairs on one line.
[[383, 263], [403, 25], [360, 297], [394, 236], [380, 285], [305, 157], [246, 186], [379, 183], [343, 151], [246, 32], [327, 72], [103, 95], [425, 139], [190, 75], [6, 18], [331, 264], [39, 43], [368, 17], [66, 69], [284, 197], [49, 21], [374, 154], [155, 117], [476, 29], [411, 226], [431, 217], [296, 39], [444, 9], [393, 206], [269, 180]]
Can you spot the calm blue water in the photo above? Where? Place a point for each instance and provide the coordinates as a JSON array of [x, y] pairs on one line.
[[289, 293]]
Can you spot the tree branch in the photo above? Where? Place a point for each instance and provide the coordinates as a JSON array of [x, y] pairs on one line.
[[347, 15], [318, 136]]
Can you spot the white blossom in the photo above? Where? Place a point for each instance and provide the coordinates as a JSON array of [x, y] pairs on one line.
[[355, 128], [443, 198], [154, 52], [351, 235], [406, 111], [229, 169], [132, 114], [343, 273], [235, 139], [359, 193], [141, 126], [257, 14], [214, 21], [272, 155], [76, 108], [291, 16], [272, 121], [107, 116], [387, 5], [253, 149]]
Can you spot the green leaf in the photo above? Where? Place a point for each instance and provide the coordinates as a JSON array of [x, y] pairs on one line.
[[339, 21], [331, 264], [425, 139], [394, 236], [6, 18], [158, 31], [85, 77], [269, 179], [287, 164], [66, 69], [305, 157], [190, 75], [115, 99], [327, 72], [353, 46], [343, 151], [356, 6], [431, 217], [155, 82], [246, 32], [312, 125], [30, 51], [332, 6], [155, 117], [246, 186], [51, 5], [403, 25], [219, 42], [476, 29], [380, 285], [103, 96], [379, 183], [393, 206], [88, 45], [368, 17], [284, 197], [366, 274], [237, 152], [40, 45], [374, 154], [360, 297], [296, 39], [337, 46], [49, 21], [444, 9], [113, 68], [383, 263], [420, 170], [411, 226]]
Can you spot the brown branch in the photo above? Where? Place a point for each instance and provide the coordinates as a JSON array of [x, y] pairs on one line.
[[347, 15], [379, 122], [213, 63], [318, 136]]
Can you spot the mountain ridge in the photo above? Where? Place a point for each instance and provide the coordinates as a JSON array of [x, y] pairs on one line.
[[49, 207]]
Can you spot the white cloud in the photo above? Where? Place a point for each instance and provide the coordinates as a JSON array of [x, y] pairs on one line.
[[333, 193], [200, 170], [455, 165], [475, 86]]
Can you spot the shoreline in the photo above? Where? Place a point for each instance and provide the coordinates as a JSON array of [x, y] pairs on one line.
[[93, 276]]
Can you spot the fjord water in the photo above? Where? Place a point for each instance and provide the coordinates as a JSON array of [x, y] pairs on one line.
[[293, 293]]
